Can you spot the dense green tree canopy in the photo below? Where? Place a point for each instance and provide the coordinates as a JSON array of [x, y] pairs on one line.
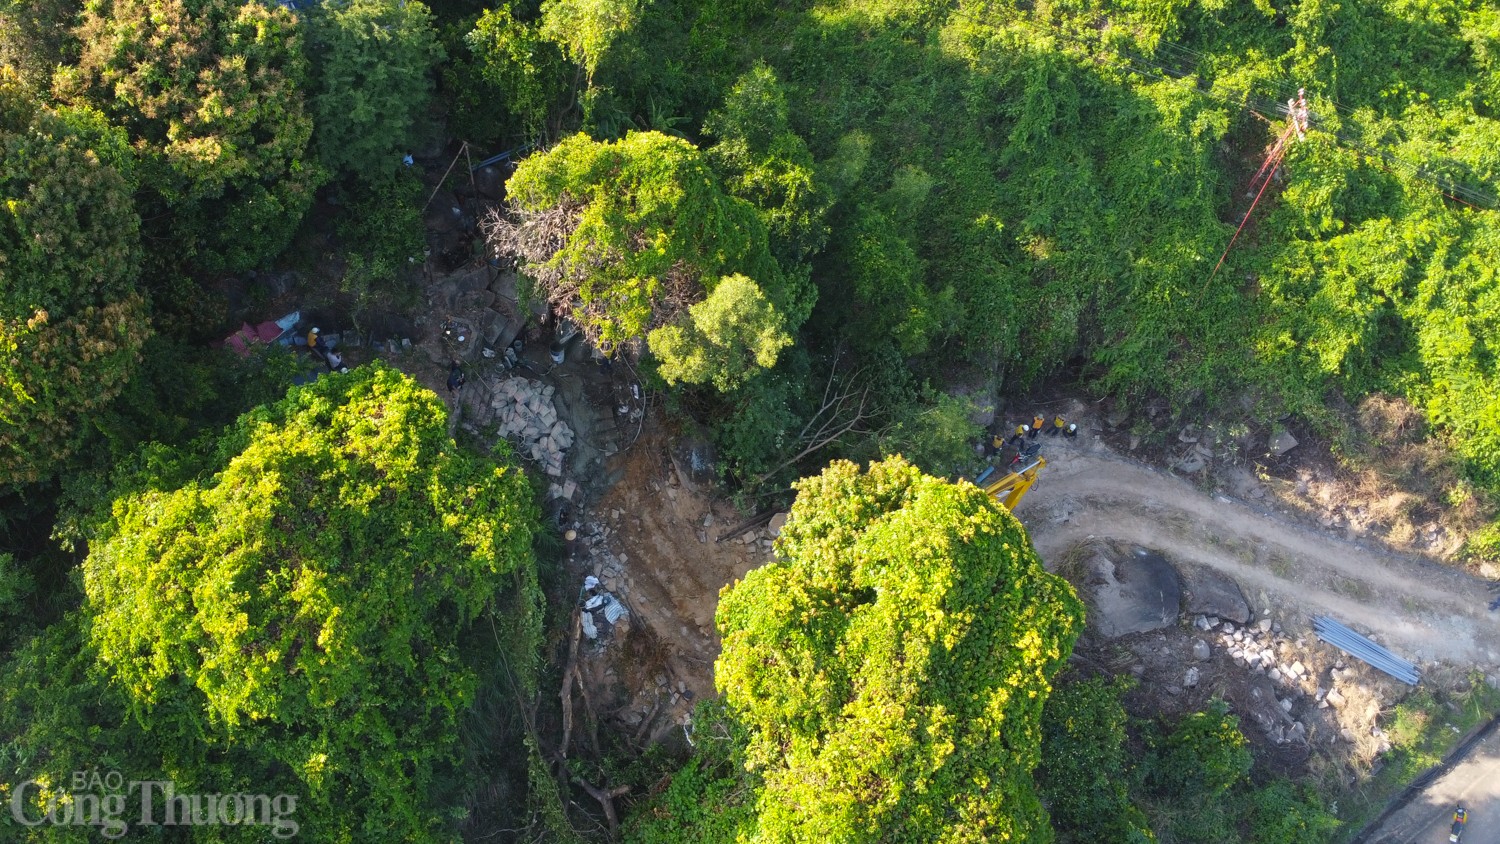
[[301, 594], [890, 666], [1085, 772], [71, 323], [527, 69], [373, 62], [585, 29], [625, 235], [723, 339], [212, 95], [1020, 189], [35, 37], [765, 162]]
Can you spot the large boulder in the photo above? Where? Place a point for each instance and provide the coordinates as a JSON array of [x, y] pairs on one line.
[[1132, 593], [1210, 592]]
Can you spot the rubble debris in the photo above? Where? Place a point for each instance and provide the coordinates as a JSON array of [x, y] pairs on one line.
[[600, 611], [527, 416]]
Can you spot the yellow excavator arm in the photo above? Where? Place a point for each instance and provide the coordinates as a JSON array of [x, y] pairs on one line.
[[1011, 488]]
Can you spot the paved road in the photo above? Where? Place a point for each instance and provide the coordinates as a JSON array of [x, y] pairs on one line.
[[1474, 782]]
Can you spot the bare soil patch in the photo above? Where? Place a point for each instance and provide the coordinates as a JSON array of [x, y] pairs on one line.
[[652, 537]]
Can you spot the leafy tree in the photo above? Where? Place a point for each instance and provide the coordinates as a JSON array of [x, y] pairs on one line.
[[1285, 813], [211, 94], [1203, 757], [373, 62], [891, 665], [383, 233], [890, 300], [71, 323], [585, 29], [933, 430], [625, 235], [525, 69], [35, 37], [57, 717], [705, 799], [759, 427], [1084, 772], [297, 595], [723, 339], [16, 584], [766, 163]]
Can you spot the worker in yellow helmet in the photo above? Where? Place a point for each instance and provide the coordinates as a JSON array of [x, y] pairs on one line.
[[1058, 424]]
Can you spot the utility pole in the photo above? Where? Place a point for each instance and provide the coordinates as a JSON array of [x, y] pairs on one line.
[[1300, 120]]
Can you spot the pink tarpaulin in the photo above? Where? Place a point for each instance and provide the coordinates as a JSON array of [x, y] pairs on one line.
[[239, 342]]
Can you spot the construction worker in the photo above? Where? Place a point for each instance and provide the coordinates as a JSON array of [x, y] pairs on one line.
[[1071, 431], [1036, 426], [1058, 423], [1021, 432]]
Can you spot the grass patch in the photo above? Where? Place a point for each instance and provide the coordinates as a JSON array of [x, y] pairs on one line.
[[1281, 566], [1353, 588]]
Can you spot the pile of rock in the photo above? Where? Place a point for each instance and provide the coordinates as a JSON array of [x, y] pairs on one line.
[[526, 416], [1260, 648], [599, 557], [762, 541]]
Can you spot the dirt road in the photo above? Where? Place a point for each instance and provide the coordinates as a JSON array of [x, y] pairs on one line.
[[1419, 609]]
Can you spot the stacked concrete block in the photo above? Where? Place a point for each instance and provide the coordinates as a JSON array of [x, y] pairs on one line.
[[528, 418]]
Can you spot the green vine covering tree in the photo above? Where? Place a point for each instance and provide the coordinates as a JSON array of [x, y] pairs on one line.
[[626, 235], [891, 665], [71, 322], [211, 93], [303, 599]]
